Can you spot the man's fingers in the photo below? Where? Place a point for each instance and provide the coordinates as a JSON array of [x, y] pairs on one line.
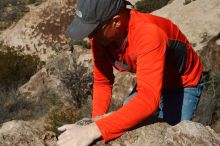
[[63, 135], [61, 142], [65, 127], [67, 143], [63, 138]]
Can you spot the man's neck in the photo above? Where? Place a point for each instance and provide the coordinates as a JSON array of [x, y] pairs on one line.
[[121, 40]]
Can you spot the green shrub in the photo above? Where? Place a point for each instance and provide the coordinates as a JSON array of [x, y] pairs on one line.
[[16, 68], [14, 108], [79, 84], [148, 6], [60, 116]]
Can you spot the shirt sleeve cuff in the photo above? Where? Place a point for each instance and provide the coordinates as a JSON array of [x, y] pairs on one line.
[[106, 134], [101, 129]]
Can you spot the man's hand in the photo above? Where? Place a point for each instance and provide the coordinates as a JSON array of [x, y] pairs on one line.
[[75, 135]]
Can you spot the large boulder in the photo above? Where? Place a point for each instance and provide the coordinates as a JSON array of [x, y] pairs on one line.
[[49, 81], [21, 133], [199, 20], [162, 134], [61, 89], [190, 133], [41, 30]]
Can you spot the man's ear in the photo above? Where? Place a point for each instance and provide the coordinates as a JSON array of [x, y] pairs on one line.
[[116, 21]]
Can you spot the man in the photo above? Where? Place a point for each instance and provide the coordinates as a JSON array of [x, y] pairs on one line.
[[168, 70]]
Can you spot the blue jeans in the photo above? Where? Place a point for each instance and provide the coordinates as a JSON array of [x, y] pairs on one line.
[[176, 104]]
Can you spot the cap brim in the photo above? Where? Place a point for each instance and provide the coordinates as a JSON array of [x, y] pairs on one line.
[[79, 30]]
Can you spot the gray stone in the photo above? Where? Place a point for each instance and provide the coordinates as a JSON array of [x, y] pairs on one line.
[[190, 133], [48, 81], [162, 134], [198, 20], [21, 133]]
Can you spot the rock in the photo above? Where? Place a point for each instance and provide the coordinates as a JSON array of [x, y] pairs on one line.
[[36, 31], [121, 91], [210, 54], [162, 134], [63, 82], [49, 80], [42, 84], [151, 135], [199, 20], [190, 133], [21, 133]]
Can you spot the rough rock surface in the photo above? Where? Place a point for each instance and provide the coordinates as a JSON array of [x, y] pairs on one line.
[[199, 20], [42, 29], [48, 81], [65, 81], [121, 91], [162, 134], [21, 133], [189, 133]]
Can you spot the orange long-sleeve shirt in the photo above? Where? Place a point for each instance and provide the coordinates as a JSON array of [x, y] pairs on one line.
[[161, 57]]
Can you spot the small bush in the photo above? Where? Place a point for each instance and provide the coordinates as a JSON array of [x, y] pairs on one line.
[[79, 84], [12, 107], [148, 6], [16, 68], [60, 116]]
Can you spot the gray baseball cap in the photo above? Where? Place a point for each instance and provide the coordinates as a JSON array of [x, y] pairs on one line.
[[90, 13]]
